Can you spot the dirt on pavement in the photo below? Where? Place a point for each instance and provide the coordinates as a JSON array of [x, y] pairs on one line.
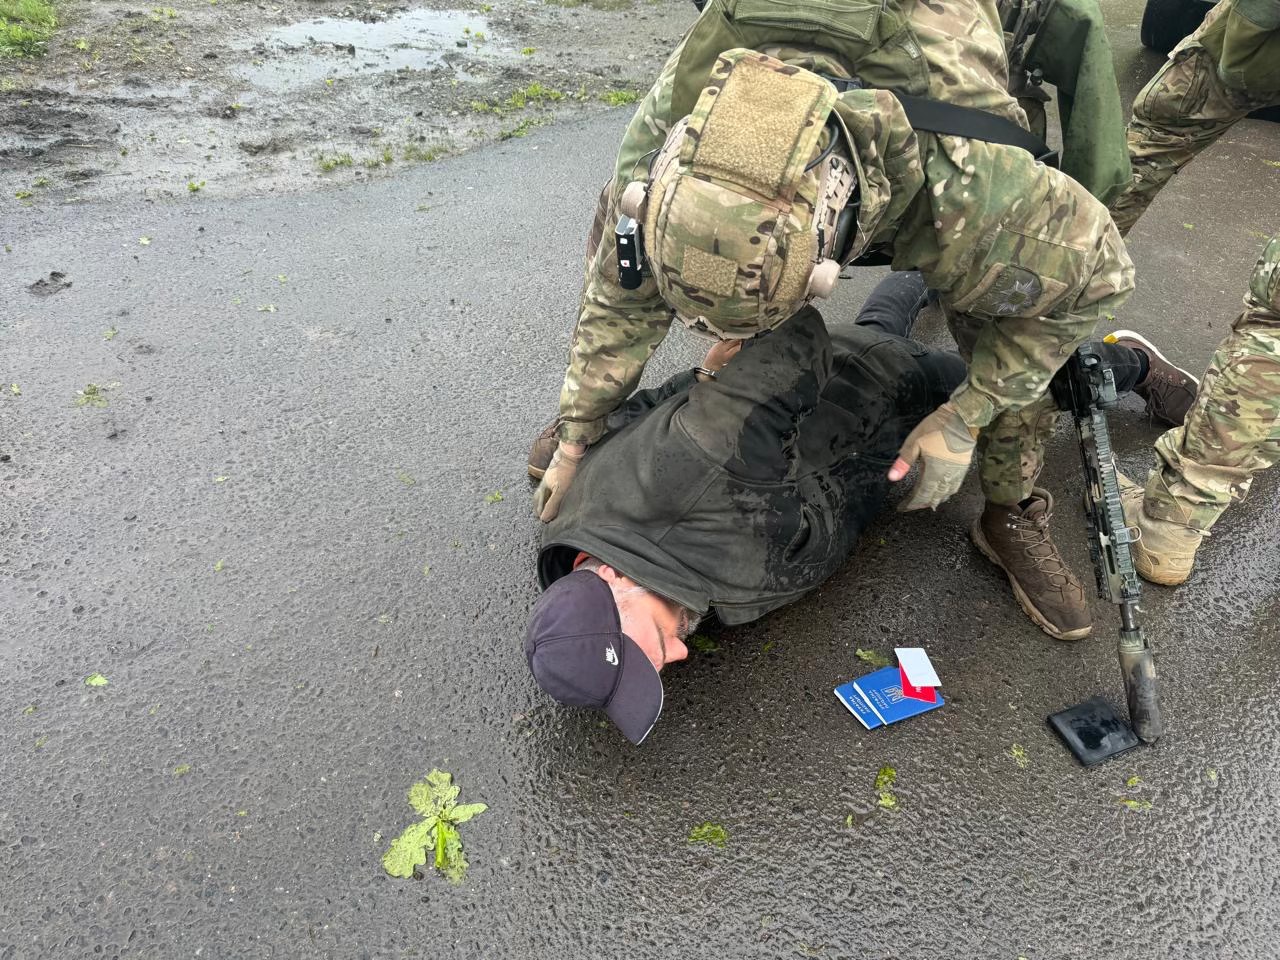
[[230, 97]]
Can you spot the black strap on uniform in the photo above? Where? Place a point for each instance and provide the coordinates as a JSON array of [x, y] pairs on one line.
[[951, 119]]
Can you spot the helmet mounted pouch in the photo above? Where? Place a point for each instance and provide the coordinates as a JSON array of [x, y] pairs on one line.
[[744, 198]]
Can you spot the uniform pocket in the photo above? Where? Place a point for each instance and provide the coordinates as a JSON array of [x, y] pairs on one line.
[[846, 19], [1177, 90], [1264, 285], [1022, 276]]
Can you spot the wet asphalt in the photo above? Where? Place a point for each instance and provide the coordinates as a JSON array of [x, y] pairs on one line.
[[281, 544]]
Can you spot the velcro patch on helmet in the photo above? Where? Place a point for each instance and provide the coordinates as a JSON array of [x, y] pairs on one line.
[[714, 274], [757, 123]]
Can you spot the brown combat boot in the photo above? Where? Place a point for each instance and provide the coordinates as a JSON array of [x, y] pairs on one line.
[[543, 449], [1169, 391], [1016, 539]]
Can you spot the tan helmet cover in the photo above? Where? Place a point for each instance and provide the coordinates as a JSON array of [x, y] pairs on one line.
[[736, 231]]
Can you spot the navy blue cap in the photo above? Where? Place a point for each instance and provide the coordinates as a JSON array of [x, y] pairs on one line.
[[580, 656]]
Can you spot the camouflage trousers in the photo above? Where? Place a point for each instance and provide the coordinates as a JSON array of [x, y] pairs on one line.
[[1183, 109], [1233, 431]]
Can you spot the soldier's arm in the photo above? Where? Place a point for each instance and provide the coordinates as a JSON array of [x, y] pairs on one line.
[[617, 330]]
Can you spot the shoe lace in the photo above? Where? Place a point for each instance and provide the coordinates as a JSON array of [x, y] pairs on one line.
[[1032, 532]]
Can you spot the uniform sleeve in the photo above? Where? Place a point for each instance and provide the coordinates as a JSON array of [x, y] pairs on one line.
[[618, 330]]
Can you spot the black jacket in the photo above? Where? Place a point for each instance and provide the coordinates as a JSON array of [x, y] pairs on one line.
[[746, 492]]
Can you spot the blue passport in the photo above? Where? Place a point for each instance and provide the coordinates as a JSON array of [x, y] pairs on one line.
[[877, 699]]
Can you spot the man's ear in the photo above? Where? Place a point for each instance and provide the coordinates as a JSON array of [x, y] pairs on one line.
[[609, 575]]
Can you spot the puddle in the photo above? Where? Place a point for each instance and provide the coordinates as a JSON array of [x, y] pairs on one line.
[[328, 47]]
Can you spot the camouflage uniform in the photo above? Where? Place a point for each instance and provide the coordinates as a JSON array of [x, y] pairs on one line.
[[1211, 81], [1026, 260]]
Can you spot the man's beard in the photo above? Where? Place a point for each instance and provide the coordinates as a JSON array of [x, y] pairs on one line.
[[688, 624]]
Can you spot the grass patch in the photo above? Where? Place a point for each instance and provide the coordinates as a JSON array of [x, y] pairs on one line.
[[334, 162], [521, 129], [416, 154], [620, 98], [534, 93], [25, 27]]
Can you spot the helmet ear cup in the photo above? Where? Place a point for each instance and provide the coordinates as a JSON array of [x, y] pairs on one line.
[[846, 228], [633, 197], [822, 279]]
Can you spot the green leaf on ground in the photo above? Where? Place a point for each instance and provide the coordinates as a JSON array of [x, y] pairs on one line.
[[96, 680], [873, 657], [1189, 226], [495, 497], [1141, 806], [91, 396], [703, 643], [182, 769], [426, 569], [1211, 775], [220, 479], [144, 241], [1019, 754], [1133, 781], [885, 779], [710, 833], [29, 709], [436, 798], [219, 565], [383, 618], [110, 333], [15, 389], [407, 479]]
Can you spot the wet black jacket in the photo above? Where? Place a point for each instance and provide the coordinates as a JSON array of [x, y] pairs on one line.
[[747, 492]]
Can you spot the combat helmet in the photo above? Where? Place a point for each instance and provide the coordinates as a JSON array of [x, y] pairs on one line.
[[750, 203]]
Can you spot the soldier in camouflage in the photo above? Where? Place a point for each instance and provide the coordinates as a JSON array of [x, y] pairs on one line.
[[1214, 78], [1025, 260]]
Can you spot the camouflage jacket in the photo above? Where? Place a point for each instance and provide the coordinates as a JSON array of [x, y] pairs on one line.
[[953, 51]]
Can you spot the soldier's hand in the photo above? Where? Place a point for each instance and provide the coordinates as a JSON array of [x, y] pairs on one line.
[[942, 444], [556, 481]]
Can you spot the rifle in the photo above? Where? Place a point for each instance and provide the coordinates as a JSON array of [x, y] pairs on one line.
[[1085, 387]]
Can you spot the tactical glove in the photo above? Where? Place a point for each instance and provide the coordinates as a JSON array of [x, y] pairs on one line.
[[555, 483], [943, 445]]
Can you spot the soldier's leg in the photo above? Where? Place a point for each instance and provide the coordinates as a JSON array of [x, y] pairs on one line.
[[1233, 430], [1038, 294], [1183, 109]]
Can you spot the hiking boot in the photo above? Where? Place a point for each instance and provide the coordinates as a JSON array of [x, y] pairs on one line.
[[543, 449], [1165, 551], [1169, 391], [1016, 539]]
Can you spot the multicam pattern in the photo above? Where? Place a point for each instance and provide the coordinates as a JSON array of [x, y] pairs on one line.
[[1233, 431], [1183, 109], [990, 228], [730, 227]]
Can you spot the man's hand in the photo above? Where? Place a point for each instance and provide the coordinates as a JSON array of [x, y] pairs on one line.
[[943, 444], [721, 352], [556, 481]]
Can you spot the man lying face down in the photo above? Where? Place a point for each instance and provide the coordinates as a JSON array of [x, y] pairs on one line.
[[740, 492]]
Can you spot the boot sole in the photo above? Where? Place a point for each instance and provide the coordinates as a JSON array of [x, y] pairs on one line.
[[1150, 348], [1029, 608]]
